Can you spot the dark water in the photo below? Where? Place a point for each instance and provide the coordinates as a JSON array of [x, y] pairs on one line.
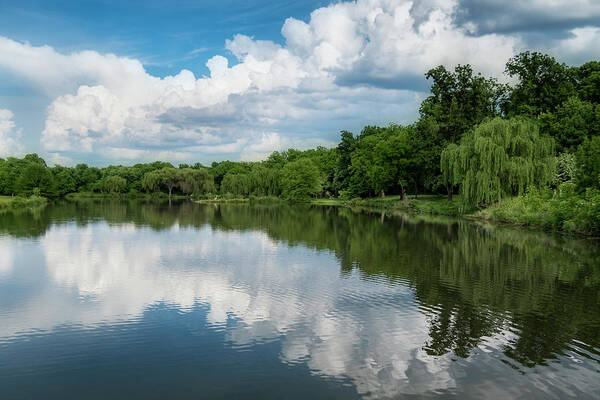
[[129, 300]]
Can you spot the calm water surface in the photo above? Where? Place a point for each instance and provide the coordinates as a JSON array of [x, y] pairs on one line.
[[123, 300]]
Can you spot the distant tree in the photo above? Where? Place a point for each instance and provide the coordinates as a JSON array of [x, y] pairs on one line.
[[167, 177], [236, 184], [264, 181], [35, 178], [345, 149], [300, 179], [34, 159], [543, 84], [220, 169], [499, 158], [112, 184], [571, 123], [459, 100], [275, 160], [64, 180], [588, 82], [196, 181], [588, 164]]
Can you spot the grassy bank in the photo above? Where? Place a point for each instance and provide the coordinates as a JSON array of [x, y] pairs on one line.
[[13, 202], [225, 200], [431, 204], [561, 210], [126, 196]]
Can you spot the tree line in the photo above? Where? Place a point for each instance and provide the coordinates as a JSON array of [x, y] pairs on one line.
[[474, 136]]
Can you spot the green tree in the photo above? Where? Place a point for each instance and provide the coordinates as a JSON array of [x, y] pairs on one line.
[[112, 184], [460, 100], [236, 184], [300, 179], [168, 178], [566, 168], [196, 181], [35, 178], [64, 180], [571, 123], [588, 164], [345, 149], [543, 84], [263, 181], [588, 82], [499, 158]]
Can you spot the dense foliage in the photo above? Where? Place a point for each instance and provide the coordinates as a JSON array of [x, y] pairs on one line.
[[474, 137], [498, 159]]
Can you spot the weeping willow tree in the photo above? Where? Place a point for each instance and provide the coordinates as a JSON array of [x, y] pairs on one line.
[[499, 158]]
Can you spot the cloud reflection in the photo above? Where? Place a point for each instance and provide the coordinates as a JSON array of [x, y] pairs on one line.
[[257, 290]]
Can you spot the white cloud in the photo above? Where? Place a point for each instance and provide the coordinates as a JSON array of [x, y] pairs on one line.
[[9, 135], [350, 64], [274, 95], [581, 46]]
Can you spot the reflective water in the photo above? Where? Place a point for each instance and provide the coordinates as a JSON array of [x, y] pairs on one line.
[[123, 300]]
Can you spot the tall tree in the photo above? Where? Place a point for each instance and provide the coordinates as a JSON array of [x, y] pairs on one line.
[[499, 158], [196, 181], [543, 84], [300, 179], [588, 164], [571, 123], [459, 100], [588, 81], [345, 148], [168, 178], [36, 179]]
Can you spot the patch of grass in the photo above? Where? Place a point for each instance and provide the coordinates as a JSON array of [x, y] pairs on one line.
[[12, 202], [132, 195], [222, 200], [431, 204], [560, 210]]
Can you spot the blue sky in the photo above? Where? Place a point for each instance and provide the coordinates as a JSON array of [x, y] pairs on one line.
[[130, 81], [166, 36]]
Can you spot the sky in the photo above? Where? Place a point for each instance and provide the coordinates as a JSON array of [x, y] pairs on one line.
[[121, 82]]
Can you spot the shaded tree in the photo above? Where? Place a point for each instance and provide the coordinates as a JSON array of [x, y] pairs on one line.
[[588, 164], [35, 179], [499, 158], [168, 178], [543, 84], [300, 179]]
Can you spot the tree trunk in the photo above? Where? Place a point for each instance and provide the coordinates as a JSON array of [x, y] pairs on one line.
[[449, 189]]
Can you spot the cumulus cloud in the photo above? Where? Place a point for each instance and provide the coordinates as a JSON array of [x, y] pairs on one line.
[[350, 64], [9, 135], [329, 68]]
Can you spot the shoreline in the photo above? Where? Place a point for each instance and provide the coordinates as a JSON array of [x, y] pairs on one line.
[[424, 204], [18, 203]]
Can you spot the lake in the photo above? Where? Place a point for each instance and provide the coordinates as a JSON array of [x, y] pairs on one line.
[[124, 300]]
